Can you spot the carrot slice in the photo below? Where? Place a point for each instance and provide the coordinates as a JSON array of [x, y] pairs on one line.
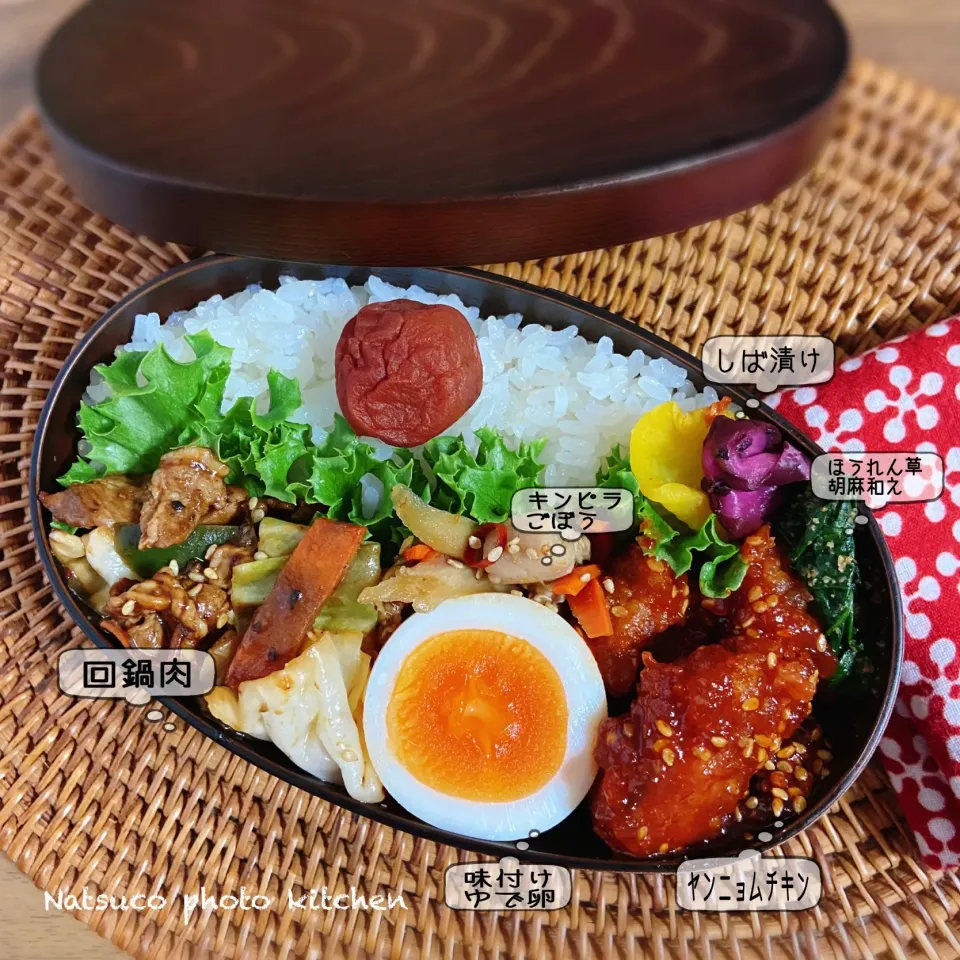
[[419, 551], [280, 625], [589, 606], [574, 581]]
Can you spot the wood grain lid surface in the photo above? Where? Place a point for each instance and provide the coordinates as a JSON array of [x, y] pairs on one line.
[[435, 131]]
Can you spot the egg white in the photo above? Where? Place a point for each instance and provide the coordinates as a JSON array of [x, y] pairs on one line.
[[586, 707]]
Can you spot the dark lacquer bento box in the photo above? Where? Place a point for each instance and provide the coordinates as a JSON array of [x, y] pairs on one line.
[[852, 721]]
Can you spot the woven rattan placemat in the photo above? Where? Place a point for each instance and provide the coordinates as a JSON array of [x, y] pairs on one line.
[[91, 795]]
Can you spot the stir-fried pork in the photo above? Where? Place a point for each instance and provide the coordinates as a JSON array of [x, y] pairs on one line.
[[107, 501], [170, 611], [187, 489]]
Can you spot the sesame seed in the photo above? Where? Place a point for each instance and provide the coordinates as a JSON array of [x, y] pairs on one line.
[[619, 611], [816, 734], [477, 574], [824, 754], [664, 728], [668, 757], [719, 742], [252, 503], [209, 552], [193, 591], [752, 803], [513, 542], [702, 752], [748, 621], [659, 744], [785, 765], [221, 621], [532, 554], [780, 792], [259, 555], [821, 643], [611, 738], [257, 516], [800, 774], [794, 791], [584, 577], [513, 548], [655, 565], [771, 659], [128, 608], [817, 766], [755, 593], [628, 729], [777, 806], [799, 747], [210, 573], [748, 750], [608, 585], [772, 602], [763, 740], [759, 606], [195, 577], [824, 773], [642, 833], [516, 593], [475, 542], [769, 765], [762, 755], [799, 804], [787, 752], [454, 563], [664, 847], [738, 813], [751, 703], [174, 567]]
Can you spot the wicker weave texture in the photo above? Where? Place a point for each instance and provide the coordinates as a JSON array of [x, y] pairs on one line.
[[866, 247]]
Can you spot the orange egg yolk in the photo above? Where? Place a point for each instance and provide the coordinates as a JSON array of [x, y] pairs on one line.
[[479, 715]]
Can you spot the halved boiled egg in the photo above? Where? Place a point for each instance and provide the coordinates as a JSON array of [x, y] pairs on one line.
[[481, 716]]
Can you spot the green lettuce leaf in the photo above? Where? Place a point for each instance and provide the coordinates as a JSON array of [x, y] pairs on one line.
[[721, 571], [482, 486], [131, 431]]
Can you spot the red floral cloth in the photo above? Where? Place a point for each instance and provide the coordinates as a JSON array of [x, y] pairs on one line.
[[905, 395]]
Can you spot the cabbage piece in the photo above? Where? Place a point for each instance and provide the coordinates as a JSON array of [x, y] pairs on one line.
[[428, 584], [279, 538], [745, 463], [310, 711]]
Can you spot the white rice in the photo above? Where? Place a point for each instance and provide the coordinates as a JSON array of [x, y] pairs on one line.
[[582, 397]]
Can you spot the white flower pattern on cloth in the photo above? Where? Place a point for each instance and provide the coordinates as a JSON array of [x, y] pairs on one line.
[[905, 395]]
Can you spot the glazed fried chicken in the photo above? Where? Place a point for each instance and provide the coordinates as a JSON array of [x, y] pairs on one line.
[[646, 599], [187, 489], [110, 500], [677, 765]]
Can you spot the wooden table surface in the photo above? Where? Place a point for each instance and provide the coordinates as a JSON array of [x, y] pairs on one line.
[[919, 37]]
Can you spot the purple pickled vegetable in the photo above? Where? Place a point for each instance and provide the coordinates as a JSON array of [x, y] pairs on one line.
[[745, 462]]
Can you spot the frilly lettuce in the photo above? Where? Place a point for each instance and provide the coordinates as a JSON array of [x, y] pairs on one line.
[[721, 572], [159, 404]]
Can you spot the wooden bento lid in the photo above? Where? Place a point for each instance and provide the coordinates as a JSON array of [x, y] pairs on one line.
[[435, 131]]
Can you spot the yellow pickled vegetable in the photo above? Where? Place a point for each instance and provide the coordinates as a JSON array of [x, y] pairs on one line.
[[665, 456]]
